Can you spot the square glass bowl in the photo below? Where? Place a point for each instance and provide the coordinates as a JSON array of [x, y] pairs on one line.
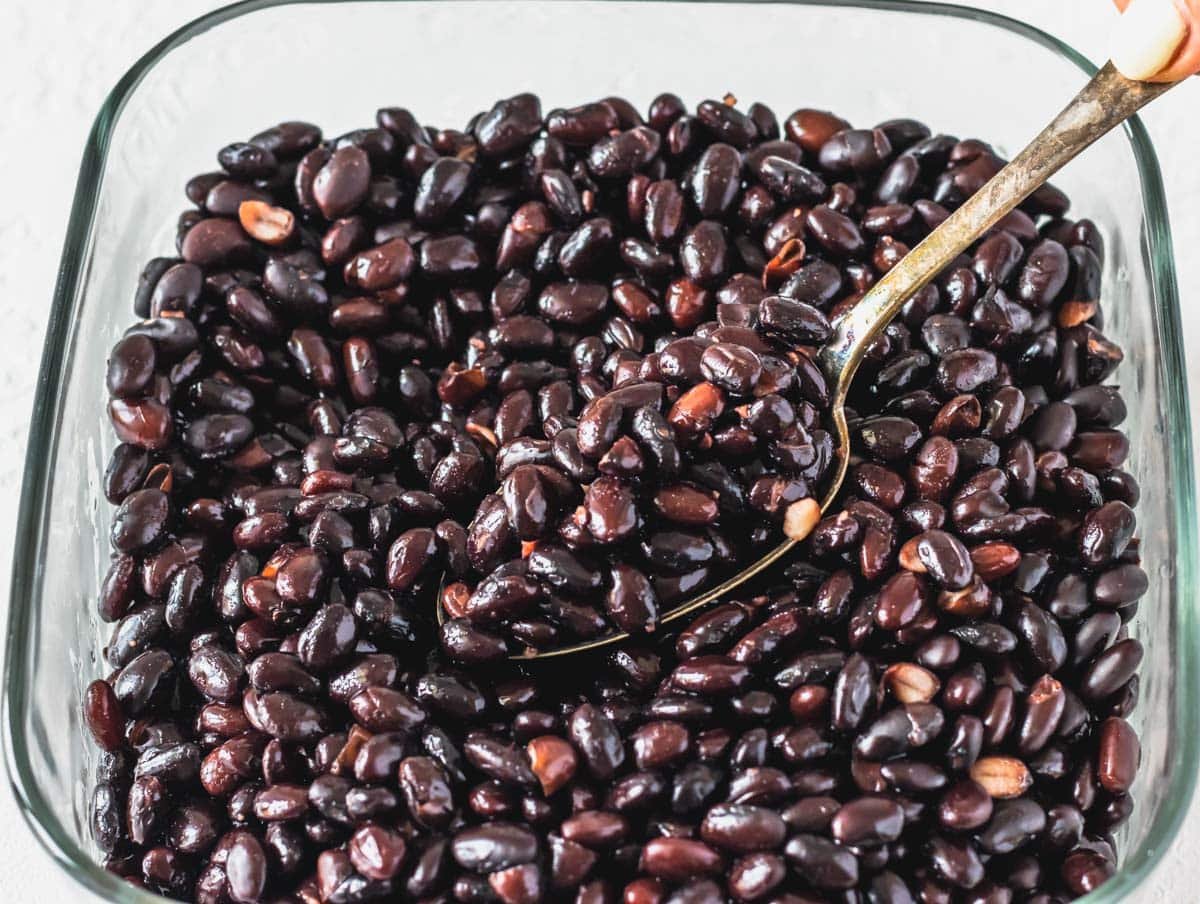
[[237, 70]]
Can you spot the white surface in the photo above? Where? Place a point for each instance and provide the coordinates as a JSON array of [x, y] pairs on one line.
[[59, 58]]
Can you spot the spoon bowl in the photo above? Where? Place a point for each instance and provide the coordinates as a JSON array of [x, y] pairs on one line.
[[1106, 101]]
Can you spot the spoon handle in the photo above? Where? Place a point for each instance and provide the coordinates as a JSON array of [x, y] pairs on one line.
[[1104, 103]]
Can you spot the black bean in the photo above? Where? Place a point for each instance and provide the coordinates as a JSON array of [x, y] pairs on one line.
[[1106, 532], [495, 846], [704, 253], [868, 821], [509, 125], [1014, 823], [1111, 669], [826, 865], [858, 150], [145, 680], [215, 672], [790, 182], [624, 153], [714, 182], [834, 231], [597, 739], [743, 828]]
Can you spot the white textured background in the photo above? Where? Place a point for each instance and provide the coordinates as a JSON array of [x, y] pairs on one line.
[[59, 58]]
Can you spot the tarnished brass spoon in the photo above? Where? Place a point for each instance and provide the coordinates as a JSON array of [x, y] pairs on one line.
[[1104, 103]]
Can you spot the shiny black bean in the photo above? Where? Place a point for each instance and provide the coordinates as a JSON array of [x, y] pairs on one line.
[[834, 231], [824, 863], [1111, 669], [624, 153], [491, 847], [597, 739], [704, 253]]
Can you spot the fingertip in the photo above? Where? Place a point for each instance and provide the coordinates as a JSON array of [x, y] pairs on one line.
[[1147, 39], [1186, 61]]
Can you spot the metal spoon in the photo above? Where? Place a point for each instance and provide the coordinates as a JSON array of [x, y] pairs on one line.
[[1104, 103]]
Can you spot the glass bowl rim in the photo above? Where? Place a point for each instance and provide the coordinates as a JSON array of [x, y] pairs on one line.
[[28, 565]]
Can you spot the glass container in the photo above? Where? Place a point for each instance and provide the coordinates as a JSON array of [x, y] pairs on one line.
[[239, 69]]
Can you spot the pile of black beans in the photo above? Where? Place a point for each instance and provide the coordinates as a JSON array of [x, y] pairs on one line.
[[682, 466], [557, 372]]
